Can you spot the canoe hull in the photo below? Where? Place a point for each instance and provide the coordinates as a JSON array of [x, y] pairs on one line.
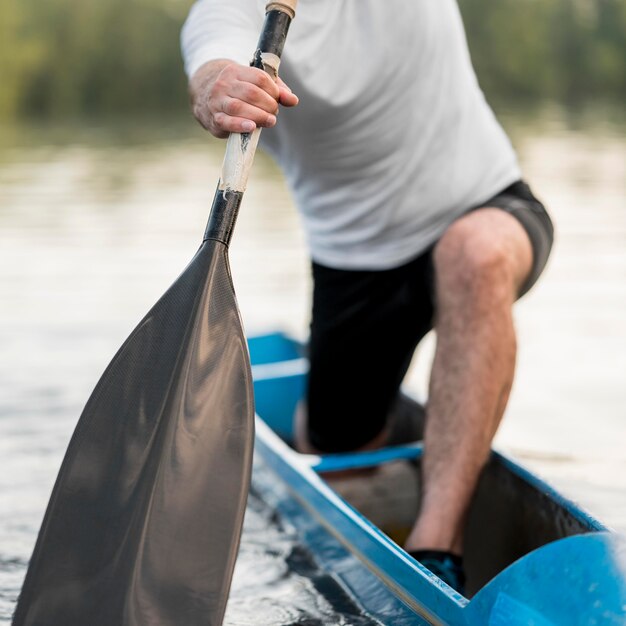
[[517, 526]]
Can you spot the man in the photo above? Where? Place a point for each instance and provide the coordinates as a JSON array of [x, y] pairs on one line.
[[416, 216]]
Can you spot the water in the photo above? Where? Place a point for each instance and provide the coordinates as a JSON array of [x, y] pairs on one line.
[[277, 581], [95, 223]]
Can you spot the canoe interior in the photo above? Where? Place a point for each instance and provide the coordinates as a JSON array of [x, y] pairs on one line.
[[511, 515], [513, 512]]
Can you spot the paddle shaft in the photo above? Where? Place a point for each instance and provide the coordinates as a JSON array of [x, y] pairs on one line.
[[241, 147], [145, 517]]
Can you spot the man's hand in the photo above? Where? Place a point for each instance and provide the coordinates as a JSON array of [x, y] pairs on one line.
[[227, 97]]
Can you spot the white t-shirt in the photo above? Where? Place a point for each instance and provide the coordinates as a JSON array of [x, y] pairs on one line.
[[392, 138]]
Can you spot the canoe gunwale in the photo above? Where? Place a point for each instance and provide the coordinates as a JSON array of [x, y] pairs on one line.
[[406, 579]]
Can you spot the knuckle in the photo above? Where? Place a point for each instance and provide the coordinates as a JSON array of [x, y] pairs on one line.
[[248, 92], [258, 77], [219, 86], [201, 114], [215, 127], [212, 105], [219, 119], [265, 82], [261, 99], [228, 72], [232, 106]]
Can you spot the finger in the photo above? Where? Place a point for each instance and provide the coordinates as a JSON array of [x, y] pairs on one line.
[[255, 96], [259, 78], [287, 97], [234, 107], [230, 123], [247, 83]]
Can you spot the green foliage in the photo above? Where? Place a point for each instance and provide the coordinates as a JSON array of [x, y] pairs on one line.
[[20, 53], [68, 58], [63, 58], [567, 51]]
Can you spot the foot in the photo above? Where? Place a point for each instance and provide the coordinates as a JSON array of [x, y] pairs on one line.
[[445, 565]]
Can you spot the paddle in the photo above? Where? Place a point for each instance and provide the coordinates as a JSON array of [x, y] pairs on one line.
[[144, 521]]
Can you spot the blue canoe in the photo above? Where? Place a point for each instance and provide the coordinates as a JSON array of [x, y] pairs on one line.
[[532, 556]]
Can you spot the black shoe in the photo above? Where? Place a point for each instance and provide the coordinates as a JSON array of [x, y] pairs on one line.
[[445, 565]]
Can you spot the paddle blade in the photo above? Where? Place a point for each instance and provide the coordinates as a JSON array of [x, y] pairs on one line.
[[144, 521]]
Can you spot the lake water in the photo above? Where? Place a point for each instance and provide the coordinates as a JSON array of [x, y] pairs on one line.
[[97, 221]]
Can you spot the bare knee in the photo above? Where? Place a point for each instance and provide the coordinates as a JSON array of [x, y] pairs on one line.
[[474, 262]]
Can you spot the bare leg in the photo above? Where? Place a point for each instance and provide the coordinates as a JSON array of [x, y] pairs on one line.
[[480, 264]]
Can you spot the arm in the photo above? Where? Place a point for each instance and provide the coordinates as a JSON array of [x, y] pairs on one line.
[[228, 97]]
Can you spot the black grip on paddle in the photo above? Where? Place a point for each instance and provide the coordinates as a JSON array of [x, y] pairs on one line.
[[274, 33]]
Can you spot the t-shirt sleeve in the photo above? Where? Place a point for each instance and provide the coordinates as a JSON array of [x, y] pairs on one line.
[[220, 29]]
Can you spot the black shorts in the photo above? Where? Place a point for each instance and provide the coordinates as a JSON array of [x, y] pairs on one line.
[[366, 325]]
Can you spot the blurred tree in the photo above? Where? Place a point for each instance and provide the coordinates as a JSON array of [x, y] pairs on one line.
[[113, 56], [67, 58], [563, 50], [21, 52]]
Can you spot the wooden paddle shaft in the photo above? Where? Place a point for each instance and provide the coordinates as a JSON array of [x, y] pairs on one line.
[[241, 147]]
